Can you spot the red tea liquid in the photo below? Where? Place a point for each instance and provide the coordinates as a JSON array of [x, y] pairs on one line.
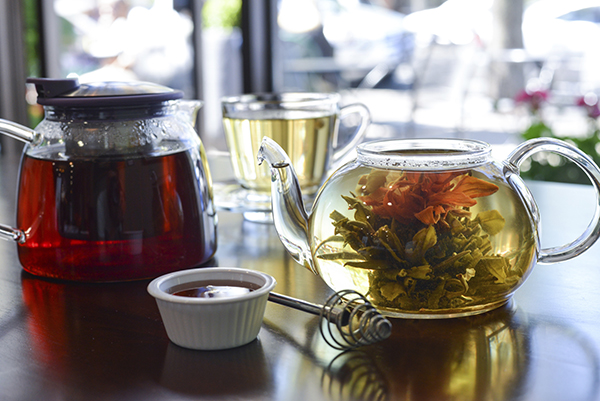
[[213, 289], [114, 219]]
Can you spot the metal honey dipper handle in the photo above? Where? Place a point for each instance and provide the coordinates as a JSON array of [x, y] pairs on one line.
[[350, 319]]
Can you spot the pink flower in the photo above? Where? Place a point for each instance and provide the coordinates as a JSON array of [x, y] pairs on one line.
[[533, 98], [590, 103]]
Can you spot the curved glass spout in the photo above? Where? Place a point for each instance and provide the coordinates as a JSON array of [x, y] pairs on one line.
[[188, 110], [289, 215]]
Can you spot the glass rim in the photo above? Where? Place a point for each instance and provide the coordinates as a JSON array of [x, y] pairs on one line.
[[252, 106], [281, 97], [424, 154]]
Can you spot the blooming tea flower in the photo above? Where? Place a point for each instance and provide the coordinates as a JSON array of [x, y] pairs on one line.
[[427, 197]]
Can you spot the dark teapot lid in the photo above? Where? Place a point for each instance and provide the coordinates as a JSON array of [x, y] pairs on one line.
[[70, 93]]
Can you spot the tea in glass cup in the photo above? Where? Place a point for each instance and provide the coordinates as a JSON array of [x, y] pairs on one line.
[[306, 125]]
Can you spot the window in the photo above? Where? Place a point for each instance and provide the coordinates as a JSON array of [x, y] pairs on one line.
[[191, 45]]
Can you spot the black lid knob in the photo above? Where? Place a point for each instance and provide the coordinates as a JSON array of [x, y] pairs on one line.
[[49, 88]]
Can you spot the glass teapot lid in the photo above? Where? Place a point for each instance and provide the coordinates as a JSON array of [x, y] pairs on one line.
[[70, 93], [104, 118]]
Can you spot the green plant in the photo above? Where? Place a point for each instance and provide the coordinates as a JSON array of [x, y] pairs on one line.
[[222, 13], [550, 167]]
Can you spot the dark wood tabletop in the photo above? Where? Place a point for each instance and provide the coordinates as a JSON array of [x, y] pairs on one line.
[[77, 341]]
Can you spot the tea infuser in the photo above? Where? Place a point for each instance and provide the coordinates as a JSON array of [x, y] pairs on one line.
[[348, 320]]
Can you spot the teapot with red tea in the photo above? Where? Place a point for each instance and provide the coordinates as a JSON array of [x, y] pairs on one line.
[[114, 183]]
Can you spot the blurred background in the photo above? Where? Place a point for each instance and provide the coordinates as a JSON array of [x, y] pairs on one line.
[[497, 70]]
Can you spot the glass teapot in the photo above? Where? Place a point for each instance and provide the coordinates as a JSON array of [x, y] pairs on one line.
[[425, 228], [114, 183]]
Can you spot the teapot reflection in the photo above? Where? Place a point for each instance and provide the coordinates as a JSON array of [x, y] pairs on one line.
[[475, 358], [63, 322]]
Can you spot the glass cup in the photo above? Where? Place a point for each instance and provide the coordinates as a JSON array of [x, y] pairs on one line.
[[305, 125]]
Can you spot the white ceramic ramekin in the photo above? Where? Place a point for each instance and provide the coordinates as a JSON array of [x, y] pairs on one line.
[[212, 323]]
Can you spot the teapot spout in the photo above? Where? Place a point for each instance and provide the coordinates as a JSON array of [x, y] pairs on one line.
[[289, 214], [188, 110]]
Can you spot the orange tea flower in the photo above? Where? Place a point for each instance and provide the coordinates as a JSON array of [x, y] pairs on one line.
[[426, 197]]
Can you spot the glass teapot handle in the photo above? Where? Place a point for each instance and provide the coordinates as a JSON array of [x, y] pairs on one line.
[[359, 133], [26, 135], [592, 232]]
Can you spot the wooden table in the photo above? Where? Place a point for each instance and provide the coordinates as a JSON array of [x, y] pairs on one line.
[[73, 341]]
